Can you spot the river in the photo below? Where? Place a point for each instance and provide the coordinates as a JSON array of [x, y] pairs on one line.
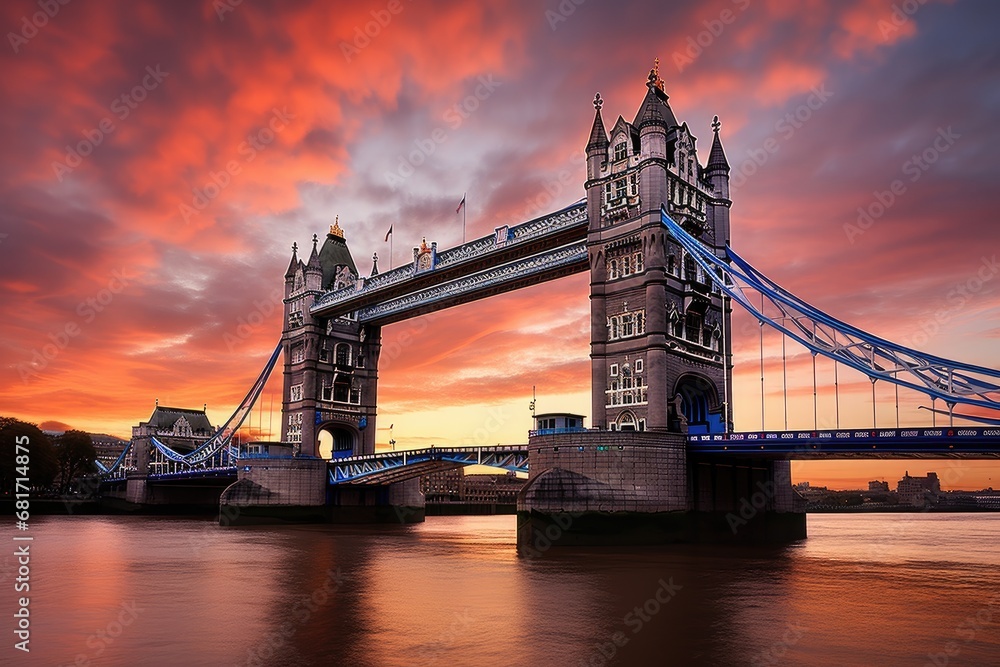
[[882, 589]]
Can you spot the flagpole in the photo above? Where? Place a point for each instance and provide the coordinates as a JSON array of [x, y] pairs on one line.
[[465, 207], [390, 251]]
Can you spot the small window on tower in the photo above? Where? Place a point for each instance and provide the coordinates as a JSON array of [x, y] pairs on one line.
[[614, 370], [621, 150]]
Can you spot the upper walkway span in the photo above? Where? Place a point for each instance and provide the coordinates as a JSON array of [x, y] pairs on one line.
[[532, 252]]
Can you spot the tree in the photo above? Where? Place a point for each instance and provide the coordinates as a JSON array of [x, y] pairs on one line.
[[76, 454], [42, 462]]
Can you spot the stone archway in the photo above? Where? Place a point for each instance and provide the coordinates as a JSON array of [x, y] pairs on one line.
[[696, 406], [336, 440]]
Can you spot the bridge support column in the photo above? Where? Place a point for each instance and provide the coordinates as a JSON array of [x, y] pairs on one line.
[[612, 488], [401, 502], [746, 500], [270, 490], [296, 490]]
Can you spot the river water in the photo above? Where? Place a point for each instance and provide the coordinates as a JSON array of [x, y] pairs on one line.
[[885, 589]]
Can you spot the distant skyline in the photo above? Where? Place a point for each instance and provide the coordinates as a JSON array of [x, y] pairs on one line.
[[160, 160]]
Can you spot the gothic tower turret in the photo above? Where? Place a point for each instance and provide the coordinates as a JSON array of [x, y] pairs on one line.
[[330, 377], [658, 358]]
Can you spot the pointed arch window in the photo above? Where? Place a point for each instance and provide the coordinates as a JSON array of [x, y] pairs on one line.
[[621, 150]]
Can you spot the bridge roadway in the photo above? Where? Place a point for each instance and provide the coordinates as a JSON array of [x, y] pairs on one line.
[[951, 442], [959, 442], [905, 443], [389, 467]]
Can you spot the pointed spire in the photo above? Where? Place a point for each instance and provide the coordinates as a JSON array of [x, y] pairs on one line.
[[374, 264], [655, 108], [294, 264], [717, 157], [314, 264], [598, 136]]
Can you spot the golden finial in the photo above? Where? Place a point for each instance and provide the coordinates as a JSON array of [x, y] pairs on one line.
[[335, 228], [654, 74]]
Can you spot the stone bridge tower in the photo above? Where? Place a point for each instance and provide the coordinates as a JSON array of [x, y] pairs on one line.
[[661, 359], [331, 365]]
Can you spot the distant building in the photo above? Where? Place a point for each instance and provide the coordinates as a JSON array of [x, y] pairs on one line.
[[447, 486], [108, 447], [878, 487], [914, 489], [180, 429], [493, 489], [454, 486]]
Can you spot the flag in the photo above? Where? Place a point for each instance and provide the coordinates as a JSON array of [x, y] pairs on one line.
[[388, 234], [460, 205]]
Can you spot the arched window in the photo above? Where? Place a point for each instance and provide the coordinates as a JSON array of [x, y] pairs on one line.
[[694, 327], [621, 150], [626, 421], [690, 269], [343, 356]]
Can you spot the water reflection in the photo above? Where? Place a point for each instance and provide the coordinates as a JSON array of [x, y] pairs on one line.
[[453, 592]]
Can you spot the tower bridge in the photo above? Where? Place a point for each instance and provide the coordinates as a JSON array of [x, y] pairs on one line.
[[661, 460]]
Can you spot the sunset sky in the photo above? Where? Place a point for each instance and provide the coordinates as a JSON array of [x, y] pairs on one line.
[[159, 159]]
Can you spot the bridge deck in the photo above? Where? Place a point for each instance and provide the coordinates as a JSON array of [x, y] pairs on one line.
[[535, 251], [946, 442]]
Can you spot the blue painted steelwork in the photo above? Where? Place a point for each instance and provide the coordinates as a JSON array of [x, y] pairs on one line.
[[363, 469], [116, 465], [556, 431], [228, 472], [546, 225], [951, 381], [568, 255], [966, 441]]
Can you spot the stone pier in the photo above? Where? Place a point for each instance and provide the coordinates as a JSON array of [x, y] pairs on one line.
[[296, 490], [606, 487]]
